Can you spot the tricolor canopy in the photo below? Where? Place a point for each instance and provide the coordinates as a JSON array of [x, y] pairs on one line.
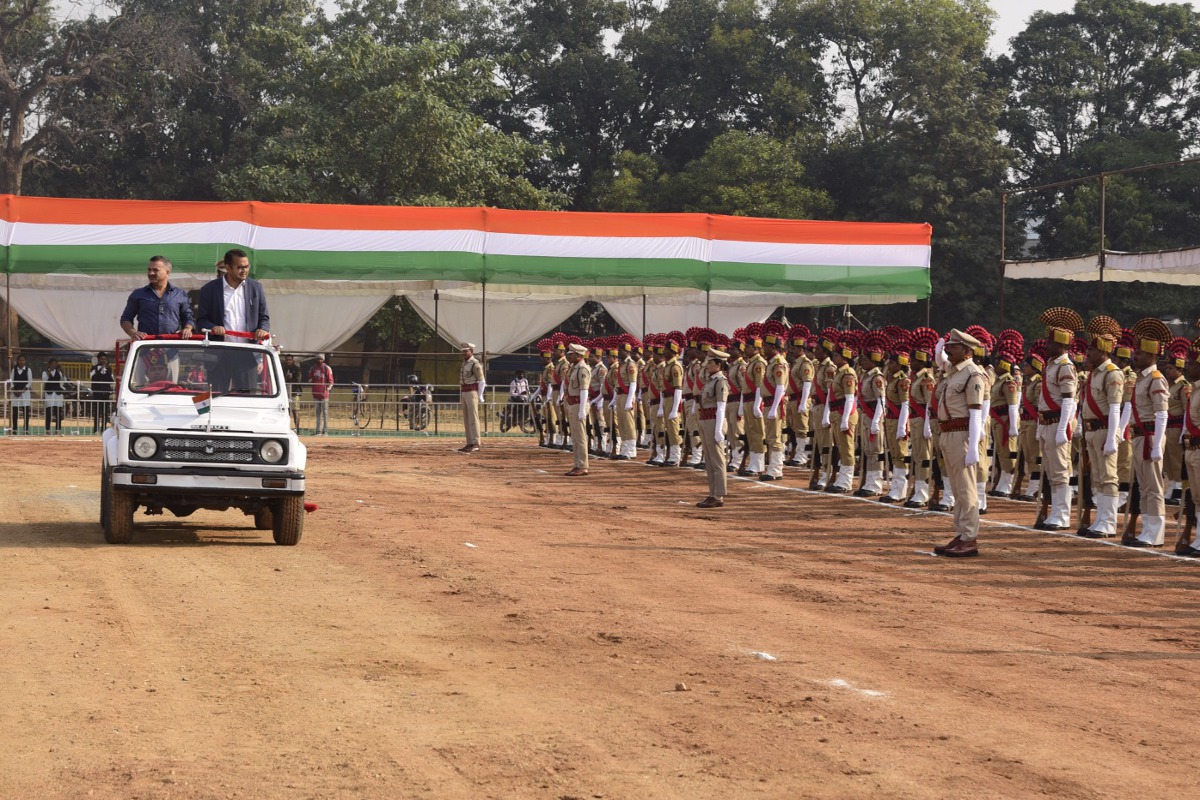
[[328, 268]]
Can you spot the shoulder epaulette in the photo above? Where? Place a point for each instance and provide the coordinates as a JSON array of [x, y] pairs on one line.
[[1156, 375], [1111, 367]]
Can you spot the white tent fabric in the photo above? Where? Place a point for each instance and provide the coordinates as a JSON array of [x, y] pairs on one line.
[[1176, 267], [513, 319], [687, 309]]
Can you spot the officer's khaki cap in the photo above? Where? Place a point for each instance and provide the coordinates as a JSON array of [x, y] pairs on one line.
[[467, 346], [717, 355], [579, 349], [959, 337]]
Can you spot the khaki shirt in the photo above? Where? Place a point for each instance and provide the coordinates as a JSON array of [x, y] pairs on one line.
[[716, 390], [672, 376], [1006, 391], [776, 374], [560, 369], [694, 377], [1194, 408], [754, 375], [845, 383], [1059, 380], [802, 372], [873, 386], [627, 374], [898, 387], [923, 384], [579, 379], [963, 386], [599, 379], [1130, 382], [1149, 396], [1106, 386], [825, 373], [736, 370], [548, 375], [1032, 391], [471, 372], [1177, 400]]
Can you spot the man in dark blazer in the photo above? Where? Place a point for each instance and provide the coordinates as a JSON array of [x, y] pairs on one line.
[[248, 301], [234, 302]]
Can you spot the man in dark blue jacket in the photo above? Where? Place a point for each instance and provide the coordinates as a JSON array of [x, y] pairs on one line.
[[234, 302]]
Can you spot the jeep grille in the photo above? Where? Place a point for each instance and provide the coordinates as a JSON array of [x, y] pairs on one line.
[[239, 451]]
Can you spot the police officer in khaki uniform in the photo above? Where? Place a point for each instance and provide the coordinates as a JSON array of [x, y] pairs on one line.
[[841, 411], [920, 402], [1027, 438], [822, 433], [896, 431], [1102, 396], [1123, 357], [1149, 430], [960, 396], [735, 408], [471, 386], [1191, 450], [577, 385], [773, 394], [800, 382], [561, 366], [549, 432], [1005, 423], [627, 394], [672, 402], [1056, 413], [599, 437], [1180, 393], [872, 414], [753, 377], [714, 397]]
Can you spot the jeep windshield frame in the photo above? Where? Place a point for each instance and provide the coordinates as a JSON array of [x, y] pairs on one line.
[[247, 371]]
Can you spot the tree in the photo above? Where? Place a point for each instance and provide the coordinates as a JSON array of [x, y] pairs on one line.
[[49, 70], [368, 123]]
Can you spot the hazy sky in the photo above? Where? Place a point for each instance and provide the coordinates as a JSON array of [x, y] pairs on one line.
[[1013, 14]]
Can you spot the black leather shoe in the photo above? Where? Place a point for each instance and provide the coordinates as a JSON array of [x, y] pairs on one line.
[[766, 477], [1138, 543], [837, 490], [940, 507], [914, 504], [994, 493], [1046, 526], [698, 465], [791, 462], [1088, 533], [1187, 550], [887, 498], [622, 458], [669, 464], [864, 493]]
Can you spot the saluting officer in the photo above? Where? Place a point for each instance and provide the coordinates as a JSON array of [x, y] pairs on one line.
[[960, 396], [714, 397], [576, 386]]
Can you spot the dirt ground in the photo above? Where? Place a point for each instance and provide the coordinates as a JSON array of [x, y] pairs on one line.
[[478, 626]]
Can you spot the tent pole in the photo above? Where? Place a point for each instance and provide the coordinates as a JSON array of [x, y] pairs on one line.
[[8, 347], [707, 298], [483, 345], [643, 316], [1003, 232], [1103, 203], [437, 347]]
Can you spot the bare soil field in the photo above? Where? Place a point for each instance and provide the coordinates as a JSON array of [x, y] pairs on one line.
[[478, 626]]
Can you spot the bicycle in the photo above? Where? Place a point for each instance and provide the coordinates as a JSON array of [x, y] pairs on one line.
[[522, 412], [360, 409]]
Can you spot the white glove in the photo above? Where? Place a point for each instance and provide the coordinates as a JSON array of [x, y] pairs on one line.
[[719, 429], [902, 422], [850, 407], [1068, 411], [632, 392], [825, 413], [974, 434], [692, 408], [583, 404], [876, 420], [675, 403], [927, 431], [757, 408], [660, 407], [987, 410], [1014, 420], [1160, 434], [939, 353], [741, 408], [776, 402], [805, 390], [482, 386], [1126, 412], [1114, 429]]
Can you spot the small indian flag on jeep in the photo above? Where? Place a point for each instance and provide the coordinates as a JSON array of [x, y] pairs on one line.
[[203, 402]]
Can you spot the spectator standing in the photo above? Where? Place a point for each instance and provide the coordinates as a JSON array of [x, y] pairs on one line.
[[52, 396], [321, 379], [293, 378], [102, 386], [20, 380]]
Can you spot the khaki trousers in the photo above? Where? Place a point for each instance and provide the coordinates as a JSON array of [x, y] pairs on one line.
[[691, 423], [1104, 468], [1124, 464], [843, 440], [1056, 458], [733, 425], [872, 448], [714, 458], [953, 445], [772, 431], [755, 443], [1031, 449], [470, 409], [822, 437], [550, 421], [897, 449], [1173, 455], [798, 420], [922, 451], [1005, 446], [578, 437], [625, 420], [672, 426], [983, 469], [1149, 477]]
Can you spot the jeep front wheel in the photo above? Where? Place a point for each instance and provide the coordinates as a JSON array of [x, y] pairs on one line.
[[288, 520], [119, 529]]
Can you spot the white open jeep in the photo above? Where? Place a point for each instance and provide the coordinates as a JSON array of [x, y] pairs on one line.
[[201, 424]]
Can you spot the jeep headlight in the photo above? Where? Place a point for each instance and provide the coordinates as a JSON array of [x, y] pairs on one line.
[[271, 451], [145, 446]]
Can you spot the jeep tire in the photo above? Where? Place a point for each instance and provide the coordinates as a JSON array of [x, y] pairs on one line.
[[119, 529], [288, 519]]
